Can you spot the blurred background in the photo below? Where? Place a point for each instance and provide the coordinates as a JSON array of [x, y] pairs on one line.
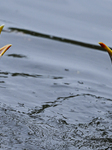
[[55, 80]]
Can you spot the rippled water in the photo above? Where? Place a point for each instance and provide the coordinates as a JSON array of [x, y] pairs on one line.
[[55, 81]]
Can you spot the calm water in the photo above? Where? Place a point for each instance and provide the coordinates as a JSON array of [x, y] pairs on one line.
[[55, 81]]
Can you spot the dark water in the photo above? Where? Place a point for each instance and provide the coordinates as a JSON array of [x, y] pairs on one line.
[[55, 81]]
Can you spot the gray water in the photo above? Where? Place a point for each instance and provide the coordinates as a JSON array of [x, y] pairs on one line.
[[55, 81]]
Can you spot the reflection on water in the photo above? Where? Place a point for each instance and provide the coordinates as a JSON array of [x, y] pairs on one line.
[[25, 75], [17, 55], [33, 33]]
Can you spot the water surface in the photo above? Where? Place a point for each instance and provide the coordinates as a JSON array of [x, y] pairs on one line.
[[55, 81]]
